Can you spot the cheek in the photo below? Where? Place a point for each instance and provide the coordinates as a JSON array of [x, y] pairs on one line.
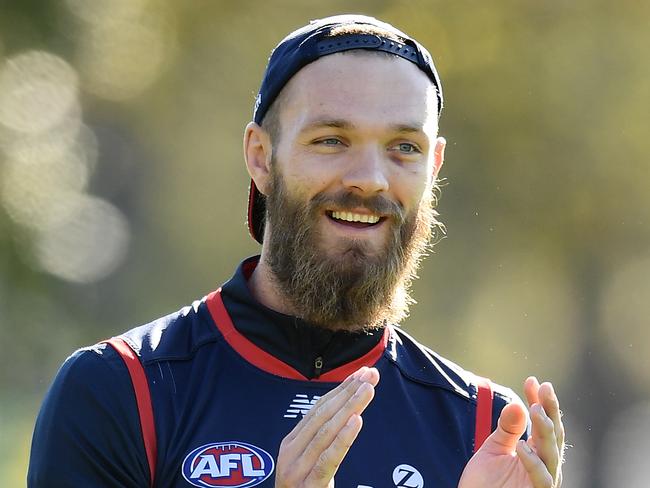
[[308, 176], [411, 186], [303, 185]]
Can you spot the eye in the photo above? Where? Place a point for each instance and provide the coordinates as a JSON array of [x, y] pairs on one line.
[[329, 141], [407, 148]]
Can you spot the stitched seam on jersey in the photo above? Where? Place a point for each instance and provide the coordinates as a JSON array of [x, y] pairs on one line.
[[215, 337], [184, 357], [466, 393], [470, 398]]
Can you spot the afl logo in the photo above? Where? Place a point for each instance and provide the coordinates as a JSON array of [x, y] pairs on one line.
[[233, 464]]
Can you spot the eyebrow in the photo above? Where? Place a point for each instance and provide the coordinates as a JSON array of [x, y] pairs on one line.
[[407, 128], [331, 123]]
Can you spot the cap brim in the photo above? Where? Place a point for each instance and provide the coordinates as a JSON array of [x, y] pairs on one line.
[[256, 213]]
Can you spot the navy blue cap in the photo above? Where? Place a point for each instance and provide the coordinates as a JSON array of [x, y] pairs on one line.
[[314, 41]]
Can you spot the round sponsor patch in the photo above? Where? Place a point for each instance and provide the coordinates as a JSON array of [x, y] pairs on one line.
[[233, 464], [406, 476]]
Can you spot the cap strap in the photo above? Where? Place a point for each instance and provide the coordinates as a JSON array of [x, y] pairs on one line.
[[366, 41]]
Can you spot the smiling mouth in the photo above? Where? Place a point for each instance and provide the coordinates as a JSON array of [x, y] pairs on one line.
[[353, 219]]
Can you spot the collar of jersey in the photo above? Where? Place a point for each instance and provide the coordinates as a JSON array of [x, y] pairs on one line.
[[266, 362]]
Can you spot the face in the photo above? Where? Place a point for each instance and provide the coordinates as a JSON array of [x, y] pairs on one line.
[[350, 188]]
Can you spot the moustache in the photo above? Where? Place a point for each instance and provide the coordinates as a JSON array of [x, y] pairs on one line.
[[342, 200]]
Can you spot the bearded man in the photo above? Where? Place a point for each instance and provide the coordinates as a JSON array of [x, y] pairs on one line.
[[269, 380]]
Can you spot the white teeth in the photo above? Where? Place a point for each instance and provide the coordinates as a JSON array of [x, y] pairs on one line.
[[354, 217]]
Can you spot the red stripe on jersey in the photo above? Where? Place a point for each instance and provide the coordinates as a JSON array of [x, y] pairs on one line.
[[269, 363], [368, 359], [143, 400], [484, 398]]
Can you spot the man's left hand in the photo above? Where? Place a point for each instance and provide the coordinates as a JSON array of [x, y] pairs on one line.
[[505, 461]]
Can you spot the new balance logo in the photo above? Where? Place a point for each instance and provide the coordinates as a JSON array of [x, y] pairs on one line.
[[300, 405]]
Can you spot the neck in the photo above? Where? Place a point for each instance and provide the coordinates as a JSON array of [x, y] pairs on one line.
[[265, 290]]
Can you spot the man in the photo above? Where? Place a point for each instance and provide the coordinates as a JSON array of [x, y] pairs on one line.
[[269, 380]]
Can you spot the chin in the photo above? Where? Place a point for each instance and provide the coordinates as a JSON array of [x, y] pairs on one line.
[[355, 249]]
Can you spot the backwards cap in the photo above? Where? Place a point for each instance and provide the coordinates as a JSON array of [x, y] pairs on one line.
[[310, 43]]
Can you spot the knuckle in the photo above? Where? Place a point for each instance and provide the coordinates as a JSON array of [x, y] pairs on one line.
[[319, 410], [343, 442], [283, 476], [322, 400], [284, 443], [548, 424], [325, 430], [320, 470]]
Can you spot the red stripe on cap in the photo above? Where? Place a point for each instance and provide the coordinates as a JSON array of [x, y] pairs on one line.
[[143, 400], [251, 205], [266, 362]]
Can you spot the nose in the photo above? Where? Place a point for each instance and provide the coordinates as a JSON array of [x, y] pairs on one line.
[[367, 173]]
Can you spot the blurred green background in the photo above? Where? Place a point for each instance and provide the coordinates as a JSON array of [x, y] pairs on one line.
[[123, 190]]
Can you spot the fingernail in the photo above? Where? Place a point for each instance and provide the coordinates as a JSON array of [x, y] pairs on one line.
[[352, 420], [527, 447], [360, 372], [366, 375]]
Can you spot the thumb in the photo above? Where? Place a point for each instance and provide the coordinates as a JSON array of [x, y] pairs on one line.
[[512, 424]]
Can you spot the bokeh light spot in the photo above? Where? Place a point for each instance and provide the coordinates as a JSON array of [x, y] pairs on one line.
[[87, 246], [40, 195], [125, 45], [37, 91]]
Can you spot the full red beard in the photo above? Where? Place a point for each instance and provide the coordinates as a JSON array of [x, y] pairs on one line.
[[359, 289]]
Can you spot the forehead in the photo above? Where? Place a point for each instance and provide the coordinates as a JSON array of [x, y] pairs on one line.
[[368, 89]]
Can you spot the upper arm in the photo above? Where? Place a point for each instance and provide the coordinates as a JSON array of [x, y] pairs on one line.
[[88, 430]]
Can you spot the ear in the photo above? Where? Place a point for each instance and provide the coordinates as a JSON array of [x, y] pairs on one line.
[[438, 155], [257, 152]]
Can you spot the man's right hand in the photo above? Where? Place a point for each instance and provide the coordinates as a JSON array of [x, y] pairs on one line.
[[312, 452]]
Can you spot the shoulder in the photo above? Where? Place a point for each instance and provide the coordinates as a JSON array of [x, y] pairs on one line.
[[422, 365], [87, 368], [175, 336], [91, 374], [88, 419]]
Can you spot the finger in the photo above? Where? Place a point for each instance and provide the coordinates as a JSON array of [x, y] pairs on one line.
[[343, 401], [324, 439], [531, 389], [536, 469], [370, 375], [338, 395], [544, 438], [330, 459], [551, 405], [512, 424], [329, 396]]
